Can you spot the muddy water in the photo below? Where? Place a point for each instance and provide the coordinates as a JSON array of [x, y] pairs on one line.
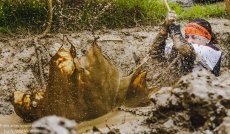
[[13, 124], [106, 122], [19, 71]]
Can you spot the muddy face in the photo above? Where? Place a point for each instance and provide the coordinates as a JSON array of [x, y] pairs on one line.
[[82, 89]]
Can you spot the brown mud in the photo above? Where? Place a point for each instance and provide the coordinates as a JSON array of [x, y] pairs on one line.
[[20, 71]]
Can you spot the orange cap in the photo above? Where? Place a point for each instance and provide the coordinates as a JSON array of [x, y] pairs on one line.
[[193, 28]]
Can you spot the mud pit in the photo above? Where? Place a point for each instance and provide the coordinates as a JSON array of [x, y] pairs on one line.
[[168, 114]]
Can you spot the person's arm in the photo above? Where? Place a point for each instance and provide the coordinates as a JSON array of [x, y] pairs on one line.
[[182, 47], [158, 46], [180, 44]]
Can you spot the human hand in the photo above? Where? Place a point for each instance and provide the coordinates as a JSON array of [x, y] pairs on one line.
[[170, 18], [174, 29]]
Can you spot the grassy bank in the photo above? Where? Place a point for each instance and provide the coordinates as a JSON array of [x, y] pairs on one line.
[[32, 14]]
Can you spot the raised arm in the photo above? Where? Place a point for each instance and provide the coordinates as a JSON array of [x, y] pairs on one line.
[[182, 47], [180, 44], [157, 48]]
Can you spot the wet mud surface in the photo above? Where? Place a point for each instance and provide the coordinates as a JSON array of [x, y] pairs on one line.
[[197, 103]]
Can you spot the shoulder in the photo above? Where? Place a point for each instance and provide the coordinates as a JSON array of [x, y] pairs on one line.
[[213, 46], [207, 52], [206, 49]]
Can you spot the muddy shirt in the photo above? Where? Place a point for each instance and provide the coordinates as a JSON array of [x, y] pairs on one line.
[[208, 57]]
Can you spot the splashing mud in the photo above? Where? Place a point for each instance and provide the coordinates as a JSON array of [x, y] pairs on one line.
[[198, 102]]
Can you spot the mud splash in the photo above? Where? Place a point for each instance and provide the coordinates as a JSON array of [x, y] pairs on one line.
[[19, 71]]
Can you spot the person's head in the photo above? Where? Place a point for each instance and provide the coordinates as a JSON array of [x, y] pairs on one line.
[[199, 31]]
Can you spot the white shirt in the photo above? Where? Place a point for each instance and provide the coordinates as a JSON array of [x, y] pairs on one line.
[[205, 55]]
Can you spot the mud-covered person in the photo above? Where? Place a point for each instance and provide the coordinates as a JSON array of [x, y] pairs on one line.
[[194, 51]]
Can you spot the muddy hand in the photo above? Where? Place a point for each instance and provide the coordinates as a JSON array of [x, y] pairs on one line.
[[170, 18], [174, 29]]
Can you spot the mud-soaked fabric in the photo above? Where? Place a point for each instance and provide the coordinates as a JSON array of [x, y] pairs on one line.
[[168, 74], [206, 57]]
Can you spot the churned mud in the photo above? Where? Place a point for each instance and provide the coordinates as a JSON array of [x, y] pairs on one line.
[[198, 102]]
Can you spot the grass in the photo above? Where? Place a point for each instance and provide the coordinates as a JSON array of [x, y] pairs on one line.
[[203, 11], [32, 14], [27, 13]]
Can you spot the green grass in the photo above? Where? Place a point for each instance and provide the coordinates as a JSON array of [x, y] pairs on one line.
[[27, 13], [32, 14], [203, 11]]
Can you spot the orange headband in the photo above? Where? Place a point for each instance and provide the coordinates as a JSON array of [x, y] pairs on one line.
[[193, 28]]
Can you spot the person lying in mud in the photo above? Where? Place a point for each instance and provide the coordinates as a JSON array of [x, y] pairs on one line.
[[196, 50]]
